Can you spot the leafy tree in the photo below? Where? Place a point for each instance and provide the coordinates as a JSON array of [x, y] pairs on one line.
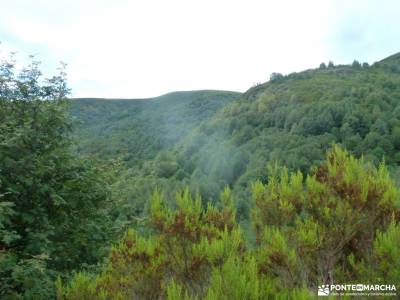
[[356, 64], [276, 76], [45, 190]]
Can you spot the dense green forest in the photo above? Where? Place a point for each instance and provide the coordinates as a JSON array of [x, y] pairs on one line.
[[137, 129], [203, 194], [290, 120]]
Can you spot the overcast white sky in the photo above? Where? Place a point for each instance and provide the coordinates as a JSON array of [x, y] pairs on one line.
[[132, 49]]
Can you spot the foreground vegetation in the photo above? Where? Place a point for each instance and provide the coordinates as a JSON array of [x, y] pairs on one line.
[[339, 224], [53, 216], [171, 197]]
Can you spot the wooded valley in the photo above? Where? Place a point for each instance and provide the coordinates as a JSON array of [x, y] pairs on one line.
[[265, 194]]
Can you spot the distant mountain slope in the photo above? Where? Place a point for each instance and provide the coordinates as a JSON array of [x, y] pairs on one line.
[[392, 62], [211, 139], [137, 129], [293, 121]]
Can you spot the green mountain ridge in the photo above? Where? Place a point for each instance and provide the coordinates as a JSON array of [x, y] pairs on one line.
[[122, 127], [291, 120]]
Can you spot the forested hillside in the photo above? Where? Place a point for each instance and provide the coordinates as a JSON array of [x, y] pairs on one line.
[[137, 129], [290, 121], [294, 120], [203, 194]]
